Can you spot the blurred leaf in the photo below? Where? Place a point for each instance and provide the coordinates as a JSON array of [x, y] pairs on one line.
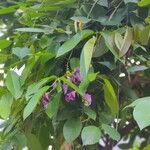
[[71, 43], [53, 106], [90, 135], [103, 3], [13, 84], [8, 10], [72, 129], [36, 30], [134, 69], [74, 63], [86, 56], [5, 105], [33, 142], [143, 3], [4, 43], [130, 1], [20, 52]]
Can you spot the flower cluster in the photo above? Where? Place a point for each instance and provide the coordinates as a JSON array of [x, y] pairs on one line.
[[70, 95], [45, 100]]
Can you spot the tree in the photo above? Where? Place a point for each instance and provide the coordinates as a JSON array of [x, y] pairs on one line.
[[85, 78]]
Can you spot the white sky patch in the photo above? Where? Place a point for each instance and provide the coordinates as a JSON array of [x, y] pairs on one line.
[[121, 75], [25, 148], [50, 147], [1, 65], [8, 38], [18, 71], [1, 83], [138, 63], [132, 61]]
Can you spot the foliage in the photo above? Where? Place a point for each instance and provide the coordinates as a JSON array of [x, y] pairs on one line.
[[85, 78]]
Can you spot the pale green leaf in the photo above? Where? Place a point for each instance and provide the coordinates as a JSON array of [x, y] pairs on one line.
[[71, 43], [90, 135], [141, 112], [13, 84], [86, 56], [72, 129], [5, 105], [20, 52]]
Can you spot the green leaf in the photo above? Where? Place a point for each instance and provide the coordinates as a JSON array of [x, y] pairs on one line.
[[86, 56], [33, 102], [20, 52], [53, 106], [143, 3], [4, 43], [71, 43], [141, 112], [72, 129], [13, 84], [5, 105], [112, 132], [110, 97], [91, 114], [90, 135]]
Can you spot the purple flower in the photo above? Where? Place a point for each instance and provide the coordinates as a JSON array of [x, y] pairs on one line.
[[70, 96], [76, 77], [88, 99], [65, 88], [45, 100]]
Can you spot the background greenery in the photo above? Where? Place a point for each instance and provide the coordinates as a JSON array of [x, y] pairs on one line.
[[48, 39]]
